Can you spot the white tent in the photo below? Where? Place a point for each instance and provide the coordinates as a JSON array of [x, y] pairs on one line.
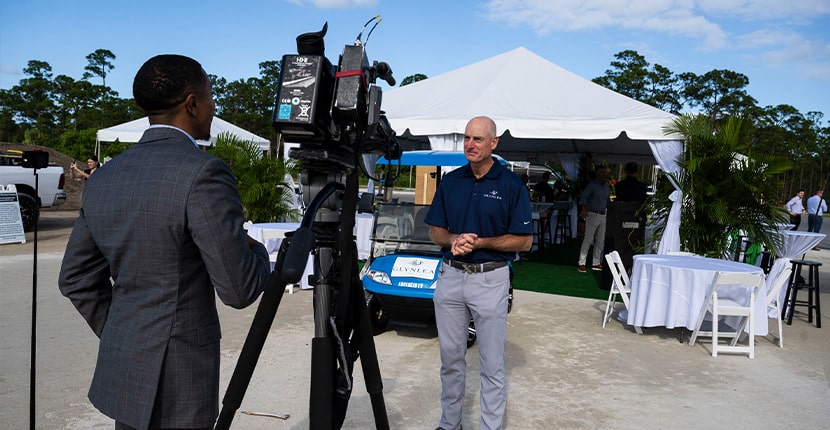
[[541, 107], [543, 111], [131, 132]]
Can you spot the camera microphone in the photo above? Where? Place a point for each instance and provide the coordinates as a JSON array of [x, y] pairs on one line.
[[385, 73]]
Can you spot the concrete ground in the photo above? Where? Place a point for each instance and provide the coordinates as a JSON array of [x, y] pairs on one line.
[[565, 371]]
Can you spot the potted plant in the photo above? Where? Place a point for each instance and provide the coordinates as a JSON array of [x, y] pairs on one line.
[[728, 189]]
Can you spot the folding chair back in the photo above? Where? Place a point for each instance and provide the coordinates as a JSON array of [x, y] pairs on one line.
[[620, 285], [719, 305]]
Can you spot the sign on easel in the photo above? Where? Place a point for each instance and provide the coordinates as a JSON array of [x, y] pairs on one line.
[[11, 223]]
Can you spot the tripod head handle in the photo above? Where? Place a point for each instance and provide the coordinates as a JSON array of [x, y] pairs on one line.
[[296, 257]]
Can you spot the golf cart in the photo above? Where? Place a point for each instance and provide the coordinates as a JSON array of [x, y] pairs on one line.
[[400, 276]]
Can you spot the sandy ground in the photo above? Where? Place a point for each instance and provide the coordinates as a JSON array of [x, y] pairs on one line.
[[565, 370]]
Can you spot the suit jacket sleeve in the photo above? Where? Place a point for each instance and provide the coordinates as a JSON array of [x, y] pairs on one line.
[[237, 274], [85, 277]]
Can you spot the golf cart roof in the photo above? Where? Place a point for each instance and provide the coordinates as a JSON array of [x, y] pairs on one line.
[[435, 158]]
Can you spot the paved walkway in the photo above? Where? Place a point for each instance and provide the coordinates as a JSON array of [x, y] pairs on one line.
[[565, 371]]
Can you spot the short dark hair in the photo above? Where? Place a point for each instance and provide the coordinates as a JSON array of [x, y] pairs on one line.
[[93, 158], [165, 81], [631, 167]]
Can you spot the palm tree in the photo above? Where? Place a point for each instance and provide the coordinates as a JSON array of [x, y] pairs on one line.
[[728, 189], [266, 197]]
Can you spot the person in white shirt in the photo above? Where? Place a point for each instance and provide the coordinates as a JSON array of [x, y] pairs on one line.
[[795, 207]]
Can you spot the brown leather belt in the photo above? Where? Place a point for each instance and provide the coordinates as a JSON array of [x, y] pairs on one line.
[[475, 268]]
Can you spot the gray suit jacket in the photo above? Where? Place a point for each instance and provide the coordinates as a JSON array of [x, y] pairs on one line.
[[159, 231]]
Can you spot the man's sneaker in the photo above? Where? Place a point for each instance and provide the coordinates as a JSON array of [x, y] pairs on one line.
[[581, 268], [597, 267]]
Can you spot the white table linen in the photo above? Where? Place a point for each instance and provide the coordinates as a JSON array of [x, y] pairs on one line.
[[271, 235], [795, 244], [670, 290]]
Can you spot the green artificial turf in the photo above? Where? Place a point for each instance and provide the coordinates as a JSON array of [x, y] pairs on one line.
[[554, 271]]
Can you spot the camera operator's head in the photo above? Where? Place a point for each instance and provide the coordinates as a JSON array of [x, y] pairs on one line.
[[175, 90]]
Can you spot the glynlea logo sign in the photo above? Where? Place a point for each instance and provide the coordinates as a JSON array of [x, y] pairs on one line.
[[493, 195], [415, 268]]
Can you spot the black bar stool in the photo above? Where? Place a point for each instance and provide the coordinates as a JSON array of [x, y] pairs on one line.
[[542, 229], [562, 230], [811, 284]]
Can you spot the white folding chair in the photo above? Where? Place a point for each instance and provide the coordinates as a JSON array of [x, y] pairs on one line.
[[773, 300], [721, 306], [619, 286]]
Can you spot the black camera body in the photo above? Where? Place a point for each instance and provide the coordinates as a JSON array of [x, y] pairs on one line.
[[36, 159], [333, 112]]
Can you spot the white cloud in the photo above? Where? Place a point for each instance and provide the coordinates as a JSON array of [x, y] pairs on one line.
[[750, 10], [12, 70], [789, 50], [336, 4], [695, 19], [663, 16]]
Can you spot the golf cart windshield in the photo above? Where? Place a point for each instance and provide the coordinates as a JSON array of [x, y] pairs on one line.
[[400, 228]]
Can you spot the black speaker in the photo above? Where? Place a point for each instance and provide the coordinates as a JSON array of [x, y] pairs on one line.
[[37, 159], [625, 232]]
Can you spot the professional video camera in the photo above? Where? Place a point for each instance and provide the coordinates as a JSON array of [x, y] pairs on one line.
[[334, 114]]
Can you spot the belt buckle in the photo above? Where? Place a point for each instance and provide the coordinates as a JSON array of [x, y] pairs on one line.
[[468, 268]]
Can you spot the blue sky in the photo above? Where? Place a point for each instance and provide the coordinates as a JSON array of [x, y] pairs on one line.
[[782, 46]]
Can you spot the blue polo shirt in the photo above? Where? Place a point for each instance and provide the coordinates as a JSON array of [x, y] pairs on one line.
[[496, 204]]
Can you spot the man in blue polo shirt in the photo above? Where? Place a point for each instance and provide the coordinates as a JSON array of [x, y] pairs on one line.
[[480, 216]]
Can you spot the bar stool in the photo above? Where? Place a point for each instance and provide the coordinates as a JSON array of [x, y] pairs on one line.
[[562, 230], [812, 287], [542, 229]]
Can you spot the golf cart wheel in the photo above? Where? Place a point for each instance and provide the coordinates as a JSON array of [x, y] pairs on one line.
[[377, 317], [471, 334]]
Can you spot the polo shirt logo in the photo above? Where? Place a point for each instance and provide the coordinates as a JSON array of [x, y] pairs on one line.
[[493, 195]]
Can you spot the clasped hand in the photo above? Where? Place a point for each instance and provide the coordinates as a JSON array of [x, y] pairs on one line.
[[463, 244]]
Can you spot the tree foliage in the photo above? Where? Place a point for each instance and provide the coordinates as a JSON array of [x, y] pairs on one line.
[[411, 79], [63, 112], [266, 197], [728, 187]]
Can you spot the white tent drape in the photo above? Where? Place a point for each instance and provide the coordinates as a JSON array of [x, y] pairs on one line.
[[369, 160], [447, 142], [666, 153]]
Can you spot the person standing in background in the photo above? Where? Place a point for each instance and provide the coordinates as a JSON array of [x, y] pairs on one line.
[[158, 238], [631, 189], [594, 205], [544, 189], [480, 217], [795, 207], [816, 207], [92, 165]]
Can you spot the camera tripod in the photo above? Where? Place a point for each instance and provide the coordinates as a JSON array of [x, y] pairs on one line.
[[342, 331]]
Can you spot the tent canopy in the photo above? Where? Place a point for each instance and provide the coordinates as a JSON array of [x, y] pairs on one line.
[[131, 132], [539, 107]]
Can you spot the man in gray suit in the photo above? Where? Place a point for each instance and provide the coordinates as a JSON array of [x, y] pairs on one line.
[[158, 237]]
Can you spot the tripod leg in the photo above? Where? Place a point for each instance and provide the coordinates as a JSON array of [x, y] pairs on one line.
[[249, 355], [369, 359], [323, 363]]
